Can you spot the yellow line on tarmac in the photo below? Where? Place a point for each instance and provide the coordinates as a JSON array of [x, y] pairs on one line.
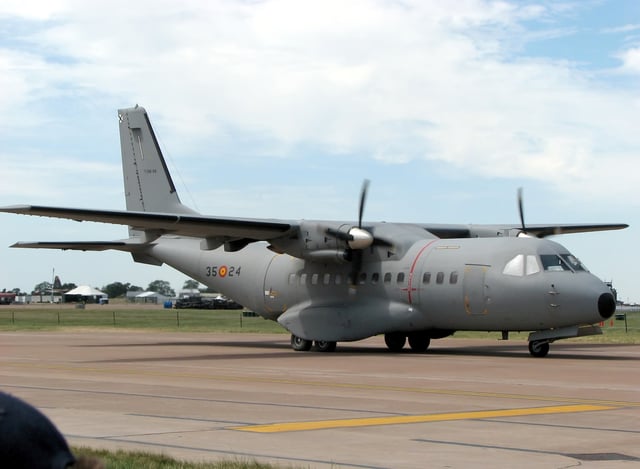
[[403, 419]]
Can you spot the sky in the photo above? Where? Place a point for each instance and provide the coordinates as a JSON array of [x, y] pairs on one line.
[[281, 108]]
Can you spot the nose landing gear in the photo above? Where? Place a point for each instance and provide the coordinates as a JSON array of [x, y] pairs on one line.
[[539, 348]]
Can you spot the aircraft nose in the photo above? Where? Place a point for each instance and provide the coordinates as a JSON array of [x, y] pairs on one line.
[[606, 305]]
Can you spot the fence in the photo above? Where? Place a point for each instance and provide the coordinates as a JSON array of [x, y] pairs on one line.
[[225, 320]]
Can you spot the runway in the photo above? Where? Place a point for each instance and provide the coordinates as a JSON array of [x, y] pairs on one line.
[[465, 403]]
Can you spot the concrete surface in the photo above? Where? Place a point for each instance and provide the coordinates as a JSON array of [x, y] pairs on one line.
[[465, 403]]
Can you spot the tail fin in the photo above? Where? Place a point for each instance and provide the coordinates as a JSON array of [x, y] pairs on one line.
[[148, 186]]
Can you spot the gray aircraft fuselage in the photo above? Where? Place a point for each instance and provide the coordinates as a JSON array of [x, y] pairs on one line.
[[331, 281], [445, 285]]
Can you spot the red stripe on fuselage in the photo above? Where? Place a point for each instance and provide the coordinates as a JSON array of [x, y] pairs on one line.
[[413, 267]]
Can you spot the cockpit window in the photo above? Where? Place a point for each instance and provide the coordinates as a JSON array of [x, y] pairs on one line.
[[573, 262], [533, 267], [554, 263], [522, 265], [515, 266]]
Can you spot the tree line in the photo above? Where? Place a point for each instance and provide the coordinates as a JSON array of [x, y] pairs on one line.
[[113, 290]]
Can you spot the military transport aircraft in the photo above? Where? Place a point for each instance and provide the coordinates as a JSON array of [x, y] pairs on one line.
[[331, 281]]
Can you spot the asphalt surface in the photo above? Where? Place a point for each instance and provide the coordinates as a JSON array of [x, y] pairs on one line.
[[465, 403]]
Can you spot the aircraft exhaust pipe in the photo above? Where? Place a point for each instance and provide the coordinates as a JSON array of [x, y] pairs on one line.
[[606, 305]]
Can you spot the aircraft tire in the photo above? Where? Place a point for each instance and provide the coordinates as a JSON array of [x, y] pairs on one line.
[[325, 346], [419, 342], [395, 341], [299, 344], [539, 348]]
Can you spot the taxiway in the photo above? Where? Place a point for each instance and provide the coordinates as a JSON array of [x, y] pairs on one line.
[[465, 403]]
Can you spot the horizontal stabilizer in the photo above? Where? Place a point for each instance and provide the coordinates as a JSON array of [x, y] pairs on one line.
[[78, 245]]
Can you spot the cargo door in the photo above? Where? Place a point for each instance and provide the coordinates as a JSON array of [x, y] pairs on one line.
[[475, 289]]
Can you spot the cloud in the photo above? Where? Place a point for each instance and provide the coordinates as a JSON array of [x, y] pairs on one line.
[[627, 28], [630, 60], [398, 82], [39, 180]]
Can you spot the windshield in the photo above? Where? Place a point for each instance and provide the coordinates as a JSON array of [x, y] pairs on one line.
[[526, 264], [561, 262]]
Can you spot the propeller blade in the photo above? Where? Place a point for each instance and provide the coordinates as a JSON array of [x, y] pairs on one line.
[[363, 198], [356, 266], [521, 210]]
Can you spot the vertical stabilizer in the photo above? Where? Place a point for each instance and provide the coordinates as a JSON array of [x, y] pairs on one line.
[[148, 186]]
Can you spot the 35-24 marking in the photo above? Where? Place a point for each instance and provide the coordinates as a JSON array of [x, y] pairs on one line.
[[223, 271]]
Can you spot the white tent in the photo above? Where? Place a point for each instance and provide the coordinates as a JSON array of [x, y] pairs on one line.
[[86, 290], [84, 293]]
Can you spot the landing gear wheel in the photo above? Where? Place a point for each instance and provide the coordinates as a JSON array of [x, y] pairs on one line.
[[539, 348], [299, 344], [419, 342], [395, 341], [325, 346]]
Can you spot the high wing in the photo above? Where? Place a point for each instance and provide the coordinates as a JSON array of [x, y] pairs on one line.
[[164, 223], [539, 231], [248, 229]]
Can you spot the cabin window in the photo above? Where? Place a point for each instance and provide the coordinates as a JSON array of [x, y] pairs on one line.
[[303, 279], [426, 277], [326, 279], [440, 278], [338, 279], [375, 278], [453, 278], [362, 278], [292, 279], [387, 277], [400, 278], [314, 279]]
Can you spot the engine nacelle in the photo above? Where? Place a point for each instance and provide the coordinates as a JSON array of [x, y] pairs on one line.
[[324, 242]]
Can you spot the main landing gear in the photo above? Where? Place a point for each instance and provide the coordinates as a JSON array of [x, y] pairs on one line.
[[303, 345], [418, 341]]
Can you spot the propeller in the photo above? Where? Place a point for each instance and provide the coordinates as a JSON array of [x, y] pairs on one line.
[[357, 238]]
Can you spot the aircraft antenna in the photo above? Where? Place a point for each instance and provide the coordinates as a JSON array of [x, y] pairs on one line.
[[166, 152]]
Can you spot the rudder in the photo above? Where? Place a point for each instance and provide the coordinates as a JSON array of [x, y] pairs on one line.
[[148, 186]]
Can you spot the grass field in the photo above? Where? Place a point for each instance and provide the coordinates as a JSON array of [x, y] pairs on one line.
[[136, 460], [127, 316]]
